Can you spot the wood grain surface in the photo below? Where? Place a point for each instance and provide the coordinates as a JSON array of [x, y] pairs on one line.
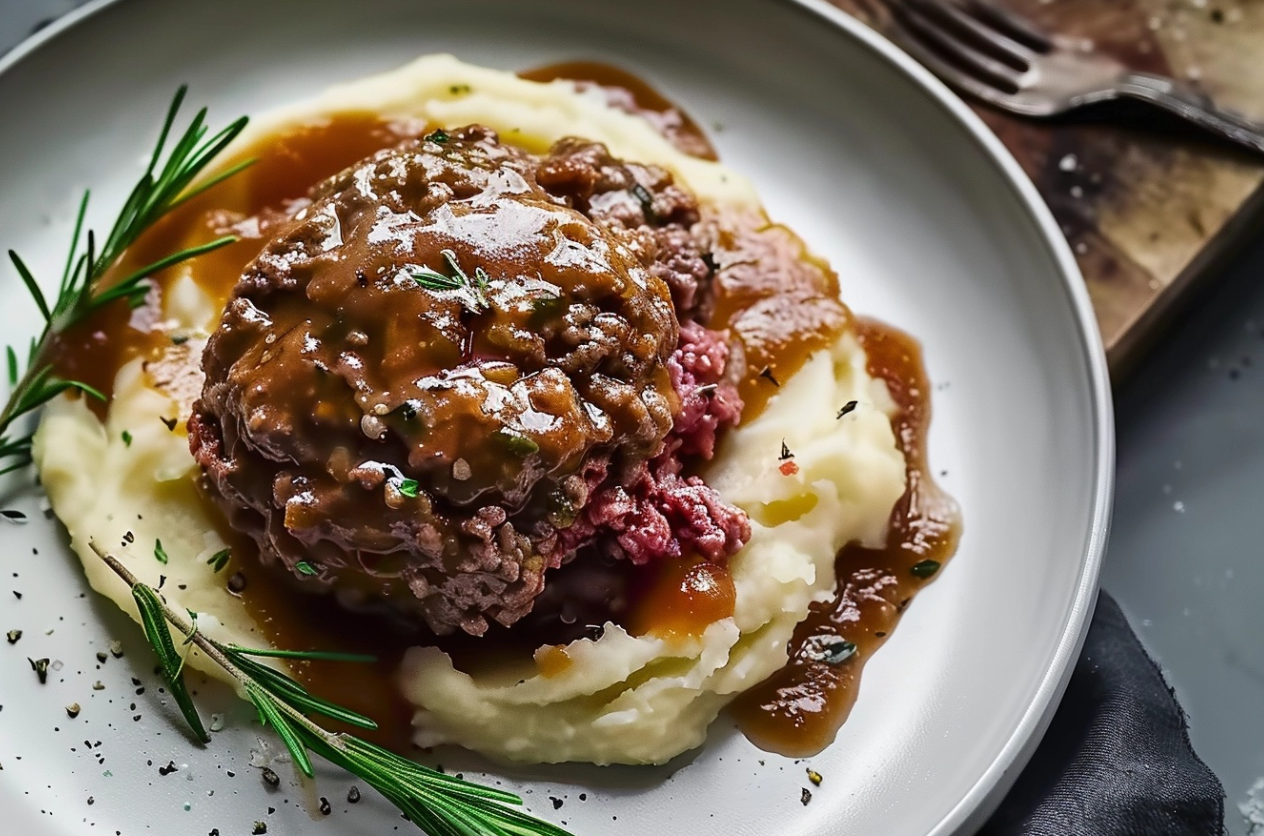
[[1150, 207]]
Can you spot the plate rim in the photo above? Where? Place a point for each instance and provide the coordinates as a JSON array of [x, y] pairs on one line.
[[989, 789], [981, 800]]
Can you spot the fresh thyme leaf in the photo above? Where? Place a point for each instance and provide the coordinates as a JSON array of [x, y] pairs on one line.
[[305, 568], [472, 290], [408, 487], [164, 185], [925, 568], [160, 554], [127, 438], [519, 445], [219, 560], [153, 621], [439, 804], [439, 135]]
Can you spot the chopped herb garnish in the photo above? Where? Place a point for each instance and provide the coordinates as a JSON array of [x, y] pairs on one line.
[[270, 777], [519, 445], [438, 135], [766, 374], [785, 452], [127, 438], [408, 410], [219, 560], [546, 307], [305, 568], [646, 200], [169, 423], [72, 710], [473, 291], [805, 796], [925, 568], [847, 407], [408, 487], [829, 649], [13, 636], [160, 554], [814, 777]]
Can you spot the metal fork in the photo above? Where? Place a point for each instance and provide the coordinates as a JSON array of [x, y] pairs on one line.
[[1000, 57]]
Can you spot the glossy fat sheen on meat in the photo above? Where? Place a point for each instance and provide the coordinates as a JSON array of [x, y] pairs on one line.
[[101, 487]]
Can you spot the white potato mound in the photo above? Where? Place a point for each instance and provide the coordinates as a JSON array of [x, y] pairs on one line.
[[621, 699]]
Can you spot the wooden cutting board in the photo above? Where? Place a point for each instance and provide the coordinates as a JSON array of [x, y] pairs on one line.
[[1151, 209]]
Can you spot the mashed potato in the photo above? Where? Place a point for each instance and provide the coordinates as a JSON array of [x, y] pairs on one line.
[[129, 483]]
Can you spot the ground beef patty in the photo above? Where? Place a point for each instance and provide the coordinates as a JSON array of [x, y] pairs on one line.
[[439, 363]]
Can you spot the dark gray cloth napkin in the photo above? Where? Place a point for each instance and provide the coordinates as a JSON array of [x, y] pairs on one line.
[[1116, 760]]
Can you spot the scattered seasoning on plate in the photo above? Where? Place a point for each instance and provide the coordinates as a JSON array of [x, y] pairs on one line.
[[102, 656], [925, 569], [127, 438], [785, 452], [237, 583], [116, 649], [13, 636], [325, 808], [40, 666], [814, 777], [557, 802], [270, 777], [848, 407], [169, 423], [160, 554], [305, 568], [353, 794], [788, 468], [17, 595], [766, 373], [164, 771], [259, 829], [98, 686], [805, 796], [72, 710]]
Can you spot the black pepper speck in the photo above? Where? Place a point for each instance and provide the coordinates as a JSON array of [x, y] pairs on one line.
[[270, 777], [806, 796], [353, 795], [325, 808]]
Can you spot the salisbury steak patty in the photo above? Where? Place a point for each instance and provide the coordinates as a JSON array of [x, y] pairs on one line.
[[414, 382]]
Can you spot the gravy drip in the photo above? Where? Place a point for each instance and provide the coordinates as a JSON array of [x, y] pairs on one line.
[[798, 710]]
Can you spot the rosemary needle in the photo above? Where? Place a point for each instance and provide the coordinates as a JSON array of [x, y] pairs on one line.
[[164, 186], [439, 804]]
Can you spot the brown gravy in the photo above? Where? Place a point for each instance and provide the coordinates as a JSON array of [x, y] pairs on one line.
[[781, 319], [798, 710]]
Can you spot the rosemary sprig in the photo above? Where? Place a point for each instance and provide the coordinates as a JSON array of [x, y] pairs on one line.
[[439, 804], [163, 187], [473, 290]]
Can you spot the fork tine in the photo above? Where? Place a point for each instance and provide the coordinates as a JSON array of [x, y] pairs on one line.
[[989, 37], [990, 77], [1013, 24]]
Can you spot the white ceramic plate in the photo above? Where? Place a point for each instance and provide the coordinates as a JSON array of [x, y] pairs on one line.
[[928, 221]]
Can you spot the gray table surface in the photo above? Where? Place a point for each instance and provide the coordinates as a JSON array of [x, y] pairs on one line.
[[1185, 556]]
